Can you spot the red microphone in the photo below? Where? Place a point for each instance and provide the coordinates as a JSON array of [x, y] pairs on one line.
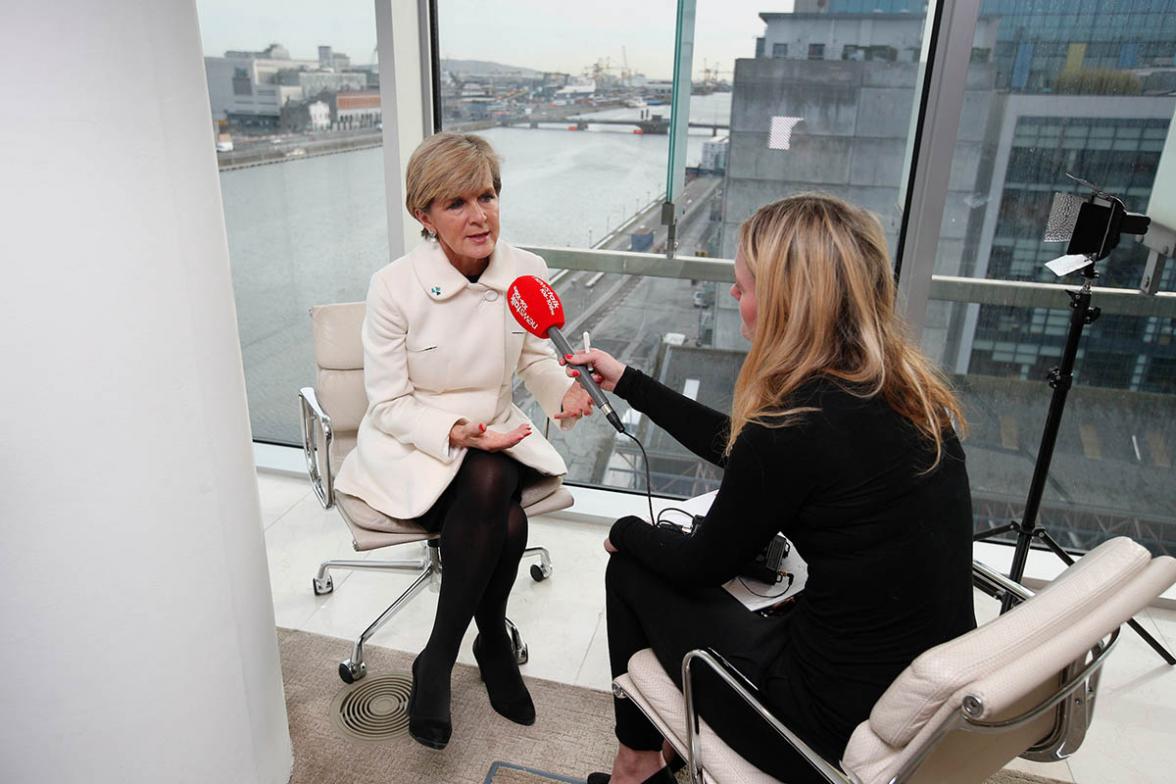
[[536, 306]]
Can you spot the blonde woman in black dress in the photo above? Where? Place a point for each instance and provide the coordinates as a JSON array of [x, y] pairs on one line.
[[842, 436]]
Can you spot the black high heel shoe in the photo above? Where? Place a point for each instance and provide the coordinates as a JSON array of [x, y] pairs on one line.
[[504, 685], [431, 731], [662, 776]]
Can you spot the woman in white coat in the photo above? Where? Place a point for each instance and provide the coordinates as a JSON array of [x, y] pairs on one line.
[[442, 442]]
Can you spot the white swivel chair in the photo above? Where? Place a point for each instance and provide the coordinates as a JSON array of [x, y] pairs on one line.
[[331, 412], [1021, 685]]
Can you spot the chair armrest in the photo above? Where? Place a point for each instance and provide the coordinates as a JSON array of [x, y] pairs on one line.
[[317, 437], [1080, 679], [732, 678]]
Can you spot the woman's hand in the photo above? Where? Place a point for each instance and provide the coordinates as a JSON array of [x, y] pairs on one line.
[[473, 435], [607, 369], [609, 547], [576, 403]]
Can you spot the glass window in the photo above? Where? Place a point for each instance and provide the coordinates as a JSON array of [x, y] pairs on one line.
[[297, 133], [541, 86], [1059, 98], [577, 105]]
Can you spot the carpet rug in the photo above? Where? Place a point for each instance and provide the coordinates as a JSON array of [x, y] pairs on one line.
[[506, 773], [572, 736]]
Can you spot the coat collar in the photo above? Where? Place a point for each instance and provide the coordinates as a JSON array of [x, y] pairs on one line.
[[441, 280]]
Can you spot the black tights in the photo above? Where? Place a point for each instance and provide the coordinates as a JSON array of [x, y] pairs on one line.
[[483, 535]]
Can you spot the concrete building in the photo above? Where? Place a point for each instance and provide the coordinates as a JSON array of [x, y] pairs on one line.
[[839, 122], [248, 90], [867, 36], [305, 116], [714, 155], [319, 114], [329, 59], [315, 82], [245, 90], [353, 110]]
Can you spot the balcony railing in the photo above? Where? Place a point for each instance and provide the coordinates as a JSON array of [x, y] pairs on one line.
[[978, 291]]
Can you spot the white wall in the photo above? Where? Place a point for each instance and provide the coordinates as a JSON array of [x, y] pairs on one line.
[[136, 628]]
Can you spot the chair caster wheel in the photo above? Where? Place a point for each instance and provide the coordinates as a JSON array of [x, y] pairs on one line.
[[350, 673], [321, 588], [540, 573], [522, 655]]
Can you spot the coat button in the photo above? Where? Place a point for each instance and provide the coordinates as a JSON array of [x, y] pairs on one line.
[[491, 296]]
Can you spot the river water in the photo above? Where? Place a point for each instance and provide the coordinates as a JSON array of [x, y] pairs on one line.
[[313, 230]]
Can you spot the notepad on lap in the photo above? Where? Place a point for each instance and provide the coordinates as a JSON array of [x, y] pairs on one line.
[[753, 594]]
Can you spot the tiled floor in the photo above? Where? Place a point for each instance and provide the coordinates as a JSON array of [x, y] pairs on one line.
[[1132, 740]]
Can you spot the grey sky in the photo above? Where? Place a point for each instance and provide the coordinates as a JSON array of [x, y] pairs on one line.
[[541, 34]]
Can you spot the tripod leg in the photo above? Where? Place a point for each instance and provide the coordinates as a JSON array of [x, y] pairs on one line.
[[1155, 644], [1052, 544], [992, 532], [1152, 641]]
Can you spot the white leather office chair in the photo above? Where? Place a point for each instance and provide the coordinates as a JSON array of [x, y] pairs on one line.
[[331, 412], [1021, 685]]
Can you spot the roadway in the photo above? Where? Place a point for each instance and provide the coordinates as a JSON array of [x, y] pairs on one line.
[[628, 316]]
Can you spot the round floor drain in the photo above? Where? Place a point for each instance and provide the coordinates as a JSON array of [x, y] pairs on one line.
[[373, 709]]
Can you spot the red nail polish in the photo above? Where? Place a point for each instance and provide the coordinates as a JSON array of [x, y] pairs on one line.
[[575, 374]]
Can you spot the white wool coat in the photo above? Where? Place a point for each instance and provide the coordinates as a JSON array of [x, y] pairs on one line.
[[438, 349]]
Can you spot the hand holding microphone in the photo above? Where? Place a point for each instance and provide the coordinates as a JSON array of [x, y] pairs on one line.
[[608, 370], [536, 307]]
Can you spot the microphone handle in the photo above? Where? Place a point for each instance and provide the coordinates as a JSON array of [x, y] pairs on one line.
[[586, 380]]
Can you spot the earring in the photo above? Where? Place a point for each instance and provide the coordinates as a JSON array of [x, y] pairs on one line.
[[432, 236]]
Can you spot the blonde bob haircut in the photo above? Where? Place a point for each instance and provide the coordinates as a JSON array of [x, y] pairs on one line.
[[449, 164], [825, 306]]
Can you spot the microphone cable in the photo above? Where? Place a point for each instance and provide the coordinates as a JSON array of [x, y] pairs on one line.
[[648, 481]]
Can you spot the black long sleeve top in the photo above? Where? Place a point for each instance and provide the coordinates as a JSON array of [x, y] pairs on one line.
[[887, 543]]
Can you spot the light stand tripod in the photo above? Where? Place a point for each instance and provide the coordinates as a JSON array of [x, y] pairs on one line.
[[1061, 379]]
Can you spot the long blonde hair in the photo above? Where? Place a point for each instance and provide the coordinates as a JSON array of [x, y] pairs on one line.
[[825, 302]]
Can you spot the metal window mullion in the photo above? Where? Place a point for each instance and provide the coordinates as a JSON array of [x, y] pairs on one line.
[[399, 28], [430, 65], [946, 77], [679, 117]]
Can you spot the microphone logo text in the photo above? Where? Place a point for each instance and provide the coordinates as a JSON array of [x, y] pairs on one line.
[[519, 305]]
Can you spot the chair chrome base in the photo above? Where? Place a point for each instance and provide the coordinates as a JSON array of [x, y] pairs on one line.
[[427, 569], [542, 570]]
